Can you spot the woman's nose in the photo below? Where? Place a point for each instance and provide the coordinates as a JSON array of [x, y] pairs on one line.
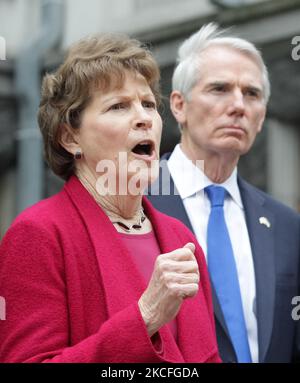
[[143, 119]]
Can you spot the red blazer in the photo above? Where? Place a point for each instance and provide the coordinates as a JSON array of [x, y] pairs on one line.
[[71, 289]]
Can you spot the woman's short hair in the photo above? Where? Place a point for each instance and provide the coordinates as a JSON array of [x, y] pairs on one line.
[[188, 70], [95, 62]]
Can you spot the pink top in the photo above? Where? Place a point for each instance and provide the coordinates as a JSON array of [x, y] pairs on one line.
[[144, 250]]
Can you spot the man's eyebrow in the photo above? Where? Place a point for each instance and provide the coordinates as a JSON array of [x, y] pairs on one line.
[[218, 82], [254, 88], [212, 84], [228, 83]]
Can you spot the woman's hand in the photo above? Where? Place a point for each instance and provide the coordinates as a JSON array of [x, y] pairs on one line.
[[175, 277]]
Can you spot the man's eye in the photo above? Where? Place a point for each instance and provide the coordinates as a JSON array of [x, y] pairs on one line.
[[149, 104], [219, 88], [252, 93]]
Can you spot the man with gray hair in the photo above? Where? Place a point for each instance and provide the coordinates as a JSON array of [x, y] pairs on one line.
[[252, 242]]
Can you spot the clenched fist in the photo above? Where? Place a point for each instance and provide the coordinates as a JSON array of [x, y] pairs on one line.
[[175, 277]]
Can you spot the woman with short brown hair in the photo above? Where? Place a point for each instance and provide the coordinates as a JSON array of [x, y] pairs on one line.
[[95, 273]]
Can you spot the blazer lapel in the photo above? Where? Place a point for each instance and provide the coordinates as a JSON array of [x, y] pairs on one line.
[[258, 218], [122, 282]]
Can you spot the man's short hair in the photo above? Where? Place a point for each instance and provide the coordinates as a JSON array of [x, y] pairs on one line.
[[188, 70]]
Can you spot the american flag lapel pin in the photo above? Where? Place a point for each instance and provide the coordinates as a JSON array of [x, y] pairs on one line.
[[264, 221]]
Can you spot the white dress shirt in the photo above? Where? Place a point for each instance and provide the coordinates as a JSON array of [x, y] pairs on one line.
[[190, 182]]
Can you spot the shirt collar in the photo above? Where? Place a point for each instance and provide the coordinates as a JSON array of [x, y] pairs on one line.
[[190, 179]]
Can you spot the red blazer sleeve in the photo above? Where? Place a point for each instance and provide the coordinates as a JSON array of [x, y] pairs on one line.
[[32, 281]]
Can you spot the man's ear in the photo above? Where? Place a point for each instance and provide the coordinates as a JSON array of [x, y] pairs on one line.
[[178, 106], [68, 139]]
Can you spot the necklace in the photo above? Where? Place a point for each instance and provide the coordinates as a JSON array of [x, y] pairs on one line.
[[115, 220], [137, 226]]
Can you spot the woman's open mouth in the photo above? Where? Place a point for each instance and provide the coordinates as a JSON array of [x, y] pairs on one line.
[[144, 150]]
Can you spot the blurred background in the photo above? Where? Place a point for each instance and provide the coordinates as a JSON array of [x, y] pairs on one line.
[[34, 35]]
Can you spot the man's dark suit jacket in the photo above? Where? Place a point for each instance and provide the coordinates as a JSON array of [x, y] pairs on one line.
[[276, 254]]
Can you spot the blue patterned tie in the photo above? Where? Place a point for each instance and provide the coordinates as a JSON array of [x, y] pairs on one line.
[[222, 269]]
